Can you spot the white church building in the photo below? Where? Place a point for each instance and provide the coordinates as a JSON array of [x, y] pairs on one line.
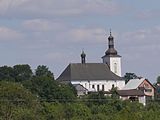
[[96, 76]]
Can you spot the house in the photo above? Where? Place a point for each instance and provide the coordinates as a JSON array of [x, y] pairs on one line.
[[80, 89], [137, 89], [96, 76], [133, 95]]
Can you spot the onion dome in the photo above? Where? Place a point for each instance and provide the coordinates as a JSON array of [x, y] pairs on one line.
[[111, 50]]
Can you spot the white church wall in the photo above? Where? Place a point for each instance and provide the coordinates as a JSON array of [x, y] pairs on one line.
[[120, 84], [93, 85], [115, 65]]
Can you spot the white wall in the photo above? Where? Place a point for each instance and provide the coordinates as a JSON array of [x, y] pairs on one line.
[[117, 61], [107, 84], [111, 61], [142, 100]]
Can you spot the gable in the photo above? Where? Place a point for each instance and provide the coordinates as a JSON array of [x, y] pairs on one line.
[[146, 84]]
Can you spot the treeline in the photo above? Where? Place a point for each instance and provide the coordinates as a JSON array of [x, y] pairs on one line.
[[35, 95]]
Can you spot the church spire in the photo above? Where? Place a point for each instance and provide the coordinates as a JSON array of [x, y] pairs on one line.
[[83, 57], [111, 57], [111, 50], [110, 32]]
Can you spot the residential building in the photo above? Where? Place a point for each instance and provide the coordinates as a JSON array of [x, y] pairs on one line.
[[138, 89]]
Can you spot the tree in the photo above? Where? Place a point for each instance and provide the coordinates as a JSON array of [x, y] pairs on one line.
[[97, 98], [17, 103], [43, 70], [7, 73], [113, 91], [50, 90], [22, 72], [43, 86], [158, 79], [53, 111], [77, 111], [129, 76]]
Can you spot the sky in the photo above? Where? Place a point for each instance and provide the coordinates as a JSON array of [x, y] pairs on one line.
[[54, 33]]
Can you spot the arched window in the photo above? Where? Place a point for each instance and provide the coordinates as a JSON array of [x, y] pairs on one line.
[[97, 87], [115, 67], [102, 87]]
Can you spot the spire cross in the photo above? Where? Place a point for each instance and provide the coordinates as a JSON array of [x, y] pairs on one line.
[[110, 31], [83, 55]]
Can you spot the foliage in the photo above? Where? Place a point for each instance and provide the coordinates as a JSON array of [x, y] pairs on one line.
[[158, 79], [17, 73], [42, 71], [28, 96], [53, 111], [7, 73], [50, 90], [77, 111], [17, 103], [22, 72], [113, 92], [97, 98], [129, 76]]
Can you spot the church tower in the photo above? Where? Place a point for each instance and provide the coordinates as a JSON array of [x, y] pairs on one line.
[[111, 57]]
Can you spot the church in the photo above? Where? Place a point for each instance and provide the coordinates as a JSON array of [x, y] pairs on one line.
[[96, 76]]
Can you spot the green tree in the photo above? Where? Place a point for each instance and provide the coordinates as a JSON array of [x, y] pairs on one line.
[[50, 90], [16, 102], [66, 93], [22, 72], [53, 111], [77, 111], [95, 98], [113, 92], [43, 70], [129, 76], [7, 73], [99, 116], [44, 87], [158, 79]]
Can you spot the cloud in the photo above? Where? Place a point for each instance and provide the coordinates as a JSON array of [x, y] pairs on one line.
[[43, 25], [8, 5], [86, 34], [148, 14], [142, 37], [37, 25], [9, 34], [57, 32], [53, 8], [140, 45]]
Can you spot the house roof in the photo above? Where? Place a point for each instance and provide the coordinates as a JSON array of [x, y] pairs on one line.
[[79, 87], [130, 92], [87, 71], [133, 84]]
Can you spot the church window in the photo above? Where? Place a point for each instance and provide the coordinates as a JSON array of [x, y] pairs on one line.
[[113, 86], [102, 87], [85, 85], [92, 86], [115, 67], [97, 87]]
